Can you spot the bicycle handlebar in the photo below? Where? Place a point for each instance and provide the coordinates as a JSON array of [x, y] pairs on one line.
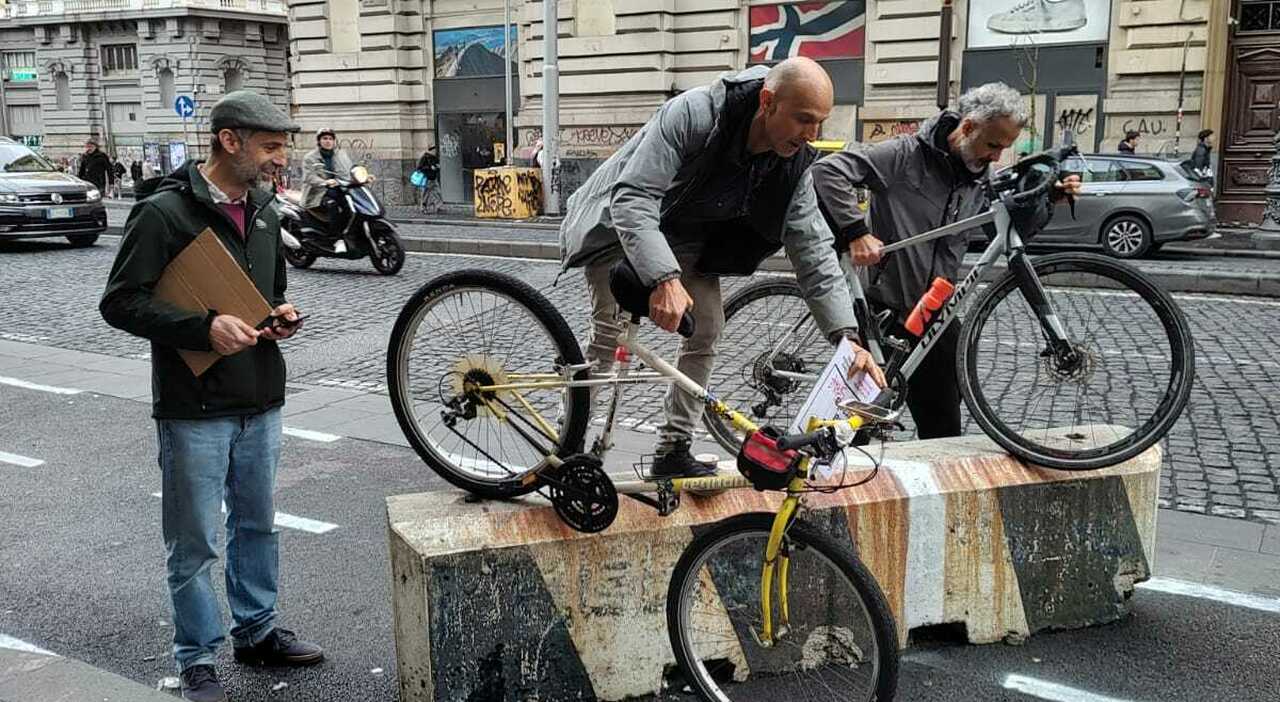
[[797, 441]]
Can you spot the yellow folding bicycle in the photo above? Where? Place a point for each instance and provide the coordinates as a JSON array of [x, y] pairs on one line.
[[491, 389]]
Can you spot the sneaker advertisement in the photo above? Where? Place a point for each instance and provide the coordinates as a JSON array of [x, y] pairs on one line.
[[1004, 23]]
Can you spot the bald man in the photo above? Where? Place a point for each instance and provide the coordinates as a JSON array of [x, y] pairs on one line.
[[712, 185]]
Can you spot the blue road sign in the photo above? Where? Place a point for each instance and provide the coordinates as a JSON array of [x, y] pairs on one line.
[[184, 106]]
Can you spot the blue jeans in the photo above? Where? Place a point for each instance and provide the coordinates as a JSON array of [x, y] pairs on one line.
[[204, 463]]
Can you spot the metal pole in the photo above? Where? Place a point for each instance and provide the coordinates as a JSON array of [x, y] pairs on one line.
[[1182, 82], [506, 50], [4, 109], [944, 57], [550, 109]]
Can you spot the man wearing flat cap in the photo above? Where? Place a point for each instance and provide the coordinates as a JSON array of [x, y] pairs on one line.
[[218, 434]]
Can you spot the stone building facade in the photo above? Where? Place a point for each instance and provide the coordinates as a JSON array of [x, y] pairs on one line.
[[384, 72], [113, 70]]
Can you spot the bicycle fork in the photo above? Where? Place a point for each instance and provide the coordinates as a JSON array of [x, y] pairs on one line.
[[777, 564]]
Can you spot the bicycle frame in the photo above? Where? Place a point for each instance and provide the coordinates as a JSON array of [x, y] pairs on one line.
[[776, 560], [1007, 242]]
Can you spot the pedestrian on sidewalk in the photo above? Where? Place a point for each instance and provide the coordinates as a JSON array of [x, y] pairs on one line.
[[429, 169], [714, 184], [219, 434], [95, 167], [135, 172], [117, 177], [1200, 164], [1129, 144]]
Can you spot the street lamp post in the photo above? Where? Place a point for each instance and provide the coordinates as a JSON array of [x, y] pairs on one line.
[[1270, 229]]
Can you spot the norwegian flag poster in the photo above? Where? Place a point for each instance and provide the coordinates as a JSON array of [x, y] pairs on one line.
[[819, 30]]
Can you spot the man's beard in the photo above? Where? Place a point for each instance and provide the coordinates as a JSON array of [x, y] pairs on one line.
[[971, 160], [246, 172]]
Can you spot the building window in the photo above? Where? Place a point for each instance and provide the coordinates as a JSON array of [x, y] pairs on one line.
[[1258, 16], [232, 79], [119, 59], [167, 92], [24, 119], [19, 65], [62, 86]]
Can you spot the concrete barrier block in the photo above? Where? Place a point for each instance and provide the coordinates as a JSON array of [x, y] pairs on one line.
[[501, 601]]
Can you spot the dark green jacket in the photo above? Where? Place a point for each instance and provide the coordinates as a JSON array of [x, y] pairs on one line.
[[170, 213]]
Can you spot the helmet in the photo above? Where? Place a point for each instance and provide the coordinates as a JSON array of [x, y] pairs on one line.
[[323, 132]]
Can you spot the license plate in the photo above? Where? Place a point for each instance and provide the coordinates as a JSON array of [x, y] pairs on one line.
[[61, 212]]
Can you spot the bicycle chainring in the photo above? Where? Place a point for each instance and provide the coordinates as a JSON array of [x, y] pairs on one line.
[[582, 493]]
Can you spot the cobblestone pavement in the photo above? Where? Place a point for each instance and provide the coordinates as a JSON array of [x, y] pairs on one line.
[[1221, 458]]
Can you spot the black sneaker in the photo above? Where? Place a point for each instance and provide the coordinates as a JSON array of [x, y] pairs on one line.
[[281, 647], [200, 684], [679, 463]]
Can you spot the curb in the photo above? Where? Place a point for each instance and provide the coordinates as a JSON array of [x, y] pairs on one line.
[[488, 223], [1263, 285], [27, 675]]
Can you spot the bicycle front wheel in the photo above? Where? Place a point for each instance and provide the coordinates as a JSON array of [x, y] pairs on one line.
[[839, 641], [1120, 390], [473, 329]]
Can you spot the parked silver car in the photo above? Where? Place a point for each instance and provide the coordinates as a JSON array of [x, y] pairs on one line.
[[1131, 206]]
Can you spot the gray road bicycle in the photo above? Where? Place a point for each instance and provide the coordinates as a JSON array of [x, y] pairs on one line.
[[1072, 361]]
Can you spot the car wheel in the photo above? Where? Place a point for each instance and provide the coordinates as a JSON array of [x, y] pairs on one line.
[[83, 240], [1126, 236]]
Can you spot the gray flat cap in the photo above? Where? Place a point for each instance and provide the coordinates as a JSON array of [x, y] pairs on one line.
[[245, 109]]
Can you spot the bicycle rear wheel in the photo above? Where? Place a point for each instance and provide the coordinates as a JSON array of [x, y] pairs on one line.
[[841, 643], [771, 317], [1121, 390], [480, 328]]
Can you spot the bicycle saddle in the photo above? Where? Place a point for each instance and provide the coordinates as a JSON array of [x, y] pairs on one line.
[[632, 295]]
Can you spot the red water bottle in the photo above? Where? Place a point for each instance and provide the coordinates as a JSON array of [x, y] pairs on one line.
[[931, 302]]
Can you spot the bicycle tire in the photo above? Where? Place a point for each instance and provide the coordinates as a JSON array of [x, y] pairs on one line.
[[881, 627], [718, 427], [574, 427], [1182, 366]]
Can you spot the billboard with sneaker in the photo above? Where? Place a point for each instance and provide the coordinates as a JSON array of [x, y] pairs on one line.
[[1004, 23]]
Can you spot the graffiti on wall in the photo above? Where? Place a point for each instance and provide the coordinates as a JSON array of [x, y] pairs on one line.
[[585, 137], [883, 130], [1076, 121]]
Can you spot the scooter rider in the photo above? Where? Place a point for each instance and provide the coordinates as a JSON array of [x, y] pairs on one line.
[[319, 188]]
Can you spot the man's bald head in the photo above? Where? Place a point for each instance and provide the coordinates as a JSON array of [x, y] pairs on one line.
[[796, 98], [800, 74]]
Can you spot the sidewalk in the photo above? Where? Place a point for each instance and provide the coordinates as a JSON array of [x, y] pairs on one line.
[[41, 676], [1201, 550]]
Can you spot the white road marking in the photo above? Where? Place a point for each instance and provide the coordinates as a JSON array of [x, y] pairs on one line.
[[303, 524], [1209, 592], [24, 338], [17, 460], [19, 645], [311, 435], [289, 521], [1053, 691], [15, 382]]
